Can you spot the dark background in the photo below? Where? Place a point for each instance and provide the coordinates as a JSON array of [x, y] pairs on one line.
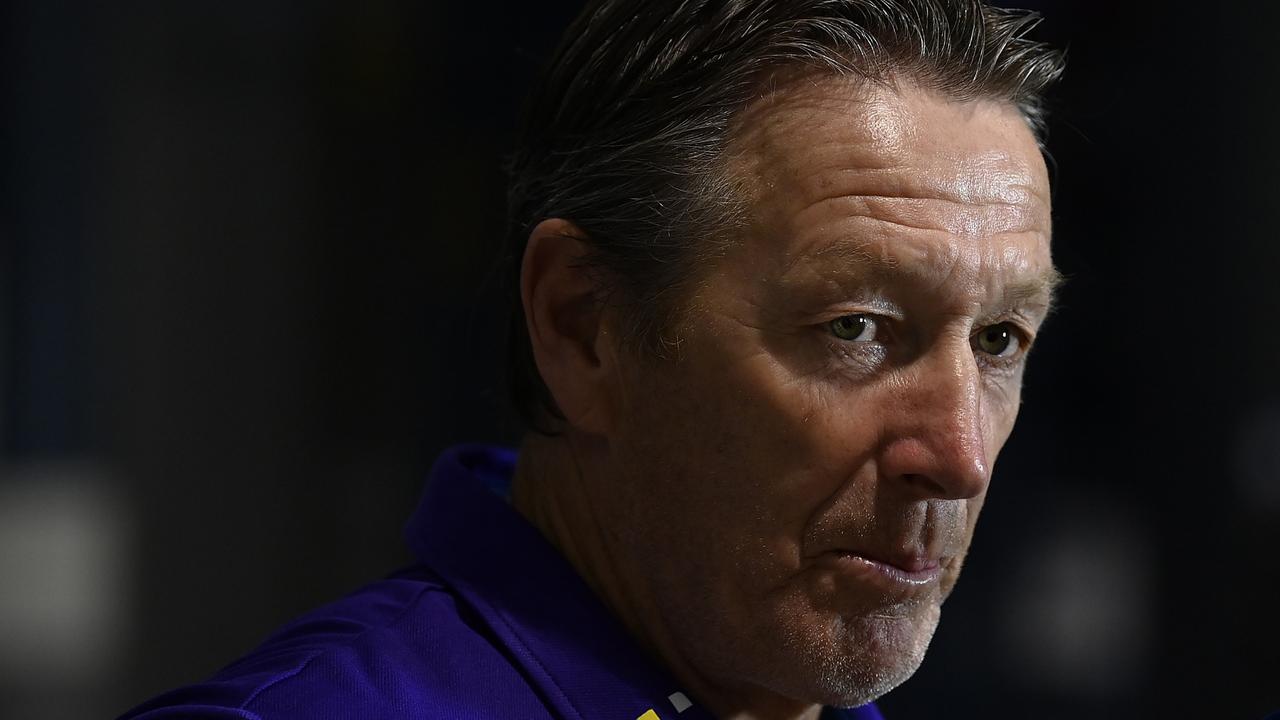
[[247, 293]]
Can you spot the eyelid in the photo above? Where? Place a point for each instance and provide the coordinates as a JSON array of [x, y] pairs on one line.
[[876, 307], [882, 315], [1024, 328]]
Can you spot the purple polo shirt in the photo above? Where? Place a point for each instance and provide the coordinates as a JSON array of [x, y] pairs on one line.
[[492, 623]]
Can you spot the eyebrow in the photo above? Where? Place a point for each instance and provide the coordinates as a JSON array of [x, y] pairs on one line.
[[1043, 288], [877, 267]]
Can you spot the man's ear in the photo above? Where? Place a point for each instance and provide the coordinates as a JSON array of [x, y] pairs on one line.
[[571, 344]]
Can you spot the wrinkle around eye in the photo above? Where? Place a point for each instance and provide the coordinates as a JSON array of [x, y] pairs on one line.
[[1007, 385], [861, 358], [1001, 372]]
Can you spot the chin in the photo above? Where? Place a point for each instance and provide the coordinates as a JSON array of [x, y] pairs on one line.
[[855, 661]]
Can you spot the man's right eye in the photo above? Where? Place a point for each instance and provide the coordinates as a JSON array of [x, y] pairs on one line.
[[854, 328]]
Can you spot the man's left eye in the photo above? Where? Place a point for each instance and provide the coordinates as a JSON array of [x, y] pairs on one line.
[[854, 328], [998, 340]]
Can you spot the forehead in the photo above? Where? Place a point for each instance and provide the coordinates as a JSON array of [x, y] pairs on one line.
[[845, 173], [907, 139]]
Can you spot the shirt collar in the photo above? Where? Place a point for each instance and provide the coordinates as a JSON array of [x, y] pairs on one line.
[[560, 634]]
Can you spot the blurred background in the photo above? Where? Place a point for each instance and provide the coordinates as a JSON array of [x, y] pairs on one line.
[[247, 294]]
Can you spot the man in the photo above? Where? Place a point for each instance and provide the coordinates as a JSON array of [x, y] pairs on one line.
[[780, 263]]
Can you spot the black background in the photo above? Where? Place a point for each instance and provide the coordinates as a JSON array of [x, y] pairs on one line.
[[247, 293]]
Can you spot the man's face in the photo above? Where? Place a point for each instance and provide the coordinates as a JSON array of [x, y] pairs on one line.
[[798, 481]]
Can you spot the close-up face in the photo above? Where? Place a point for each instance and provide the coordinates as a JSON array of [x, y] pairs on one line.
[[799, 478]]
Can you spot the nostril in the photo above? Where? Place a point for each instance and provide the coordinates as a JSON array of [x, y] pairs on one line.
[[932, 487]]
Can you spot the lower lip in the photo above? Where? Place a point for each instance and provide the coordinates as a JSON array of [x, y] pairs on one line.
[[889, 578]]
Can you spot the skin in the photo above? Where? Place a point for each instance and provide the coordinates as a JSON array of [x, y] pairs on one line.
[[744, 504]]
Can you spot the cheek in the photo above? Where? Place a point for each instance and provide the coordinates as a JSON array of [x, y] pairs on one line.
[[802, 445], [740, 458], [973, 507], [809, 435], [684, 446], [1000, 412]]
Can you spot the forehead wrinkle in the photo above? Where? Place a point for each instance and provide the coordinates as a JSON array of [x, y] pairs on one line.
[[966, 196], [861, 132], [990, 179], [1006, 278], [872, 144], [848, 225], [956, 217], [850, 188]]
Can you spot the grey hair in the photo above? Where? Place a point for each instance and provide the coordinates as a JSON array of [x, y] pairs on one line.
[[626, 134]]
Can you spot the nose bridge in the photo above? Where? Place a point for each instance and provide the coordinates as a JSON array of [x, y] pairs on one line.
[[943, 448], [962, 388]]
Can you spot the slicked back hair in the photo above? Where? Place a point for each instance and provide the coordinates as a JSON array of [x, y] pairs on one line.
[[627, 132]]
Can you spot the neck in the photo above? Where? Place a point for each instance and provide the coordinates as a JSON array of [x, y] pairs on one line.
[[553, 490]]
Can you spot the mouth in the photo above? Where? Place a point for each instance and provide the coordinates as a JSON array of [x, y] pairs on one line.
[[902, 578]]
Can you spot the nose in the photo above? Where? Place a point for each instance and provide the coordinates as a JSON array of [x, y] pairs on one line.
[[936, 443]]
